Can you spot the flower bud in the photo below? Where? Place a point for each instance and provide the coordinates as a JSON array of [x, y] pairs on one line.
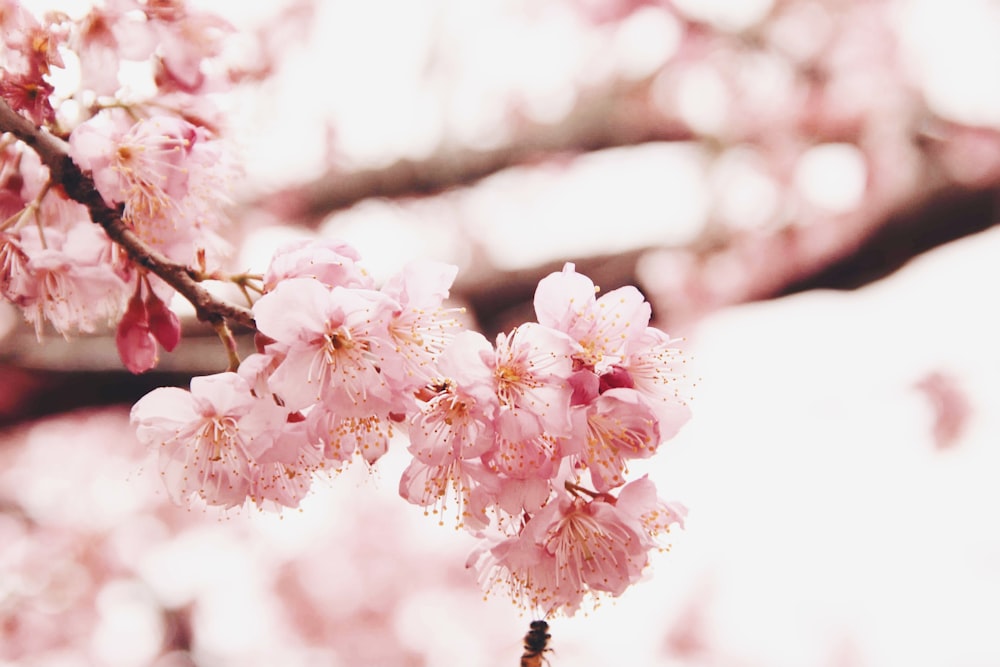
[[163, 322], [136, 345]]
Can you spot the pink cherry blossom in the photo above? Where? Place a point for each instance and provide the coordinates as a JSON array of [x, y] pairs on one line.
[[331, 262], [29, 95], [531, 368], [455, 420], [30, 50], [576, 548], [72, 285], [140, 164], [656, 368], [209, 437], [343, 437], [284, 473], [334, 343], [186, 39], [421, 327], [15, 278], [602, 327], [521, 450], [616, 426], [446, 488], [168, 173], [638, 501], [107, 35]]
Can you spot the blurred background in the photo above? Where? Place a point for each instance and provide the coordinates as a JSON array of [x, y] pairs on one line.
[[805, 190]]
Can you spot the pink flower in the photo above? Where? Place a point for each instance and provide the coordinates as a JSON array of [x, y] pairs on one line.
[[335, 343], [142, 165], [28, 95], [455, 420], [186, 38], [576, 548], [342, 437], [456, 484], [283, 474], [15, 278], [602, 327], [31, 49], [73, 285], [617, 426], [656, 369], [523, 453], [168, 173], [531, 368], [638, 501], [333, 263], [209, 437], [421, 328], [106, 36]]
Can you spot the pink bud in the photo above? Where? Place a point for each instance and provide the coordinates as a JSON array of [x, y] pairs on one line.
[[163, 323], [136, 346]]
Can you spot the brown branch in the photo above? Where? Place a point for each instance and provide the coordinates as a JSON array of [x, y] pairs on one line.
[[54, 154]]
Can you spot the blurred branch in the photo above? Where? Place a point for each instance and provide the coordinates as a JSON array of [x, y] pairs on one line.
[[685, 283], [617, 115]]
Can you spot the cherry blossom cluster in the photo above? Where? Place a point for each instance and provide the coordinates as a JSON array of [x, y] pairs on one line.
[[529, 438], [340, 367], [154, 158], [111, 202]]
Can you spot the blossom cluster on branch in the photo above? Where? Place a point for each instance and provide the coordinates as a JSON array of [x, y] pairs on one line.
[[112, 204]]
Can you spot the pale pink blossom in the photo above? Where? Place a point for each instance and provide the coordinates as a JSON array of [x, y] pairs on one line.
[[208, 438], [602, 327], [615, 427], [421, 327], [516, 498], [451, 487], [521, 450], [331, 262], [186, 38], [341, 437], [30, 50], [531, 368], [334, 343], [73, 286], [638, 501], [15, 278], [578, 548], [140, 164], [657, 369], [284, 473], [455, 419], [168, 173], [107, 35], [256, 369]]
